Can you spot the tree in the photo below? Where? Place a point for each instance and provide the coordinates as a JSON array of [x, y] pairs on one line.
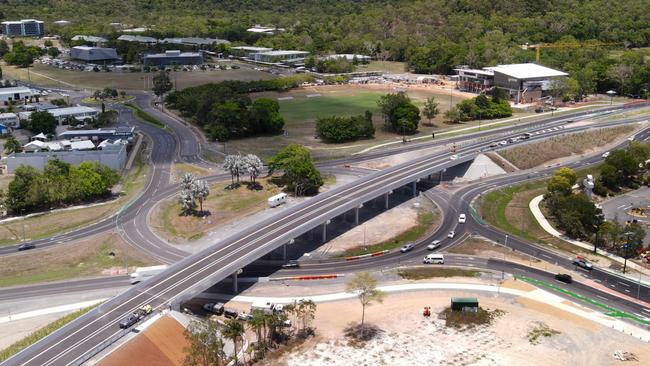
[[42, 122], [400, 115], [206, 347], [364, 285], [259, 323], [568, 173], [234, 164], [53, 52], [452, 115], [187, 202], [305, 310], [430, 109], [200, 191], [18, 197], [12, 145], [558, 184], [300, 174], [254, 166], [161, 83], [234, 329]]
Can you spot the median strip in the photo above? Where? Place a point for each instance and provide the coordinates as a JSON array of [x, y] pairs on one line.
[[375, 254], [307, 278]]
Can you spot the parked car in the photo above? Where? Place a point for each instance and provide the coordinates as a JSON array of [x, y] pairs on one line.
[[26, 246], [245, 317], [407, 248], [214, 308], [434, 245], [291, 264], [563, 277], [462, 218], [451, 234], [230, 313], [583, 263]]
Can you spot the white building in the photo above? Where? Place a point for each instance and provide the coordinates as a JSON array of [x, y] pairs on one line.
[[264, 30], [280, 56], [78, 112], [114, 156], [248, 51], [15, 94], [10, 120], [348, 57]]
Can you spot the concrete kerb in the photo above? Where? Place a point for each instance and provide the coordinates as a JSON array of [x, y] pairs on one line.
[[134, 153], [543, 222]]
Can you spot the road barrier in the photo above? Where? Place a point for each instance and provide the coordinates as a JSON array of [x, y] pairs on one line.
[[375, 254], [307, 278]]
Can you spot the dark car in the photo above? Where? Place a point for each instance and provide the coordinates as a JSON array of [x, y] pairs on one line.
[[230, 313], [291, 264], [563, 277], [26, 246], [129, 321]]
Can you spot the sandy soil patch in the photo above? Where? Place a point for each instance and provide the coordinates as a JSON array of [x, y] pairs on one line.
[[396, 159], [409, 339], [160, 344], [375, 231]]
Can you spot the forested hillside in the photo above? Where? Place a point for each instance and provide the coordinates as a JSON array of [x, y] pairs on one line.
[[432, 36]]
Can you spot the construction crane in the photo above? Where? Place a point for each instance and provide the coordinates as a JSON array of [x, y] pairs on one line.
[[589, 44]]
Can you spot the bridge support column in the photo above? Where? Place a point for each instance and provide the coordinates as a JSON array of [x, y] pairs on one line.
[[311, 234], [284, 252], [356, 214], [325, 230], [235, 288], [386, 201], [415, 188]]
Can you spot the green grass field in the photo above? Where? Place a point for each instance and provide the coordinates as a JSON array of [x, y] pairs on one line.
[[303, 109]]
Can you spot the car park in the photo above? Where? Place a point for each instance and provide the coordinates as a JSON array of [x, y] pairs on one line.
[[434, 245], [434, 259], [451, 234], [582, 263], [407, 248], [26, 246], [462, 218], [215, 308], [563, 277]]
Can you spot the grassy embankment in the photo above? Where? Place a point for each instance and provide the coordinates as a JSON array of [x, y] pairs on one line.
[[41, 333], [422, 273]]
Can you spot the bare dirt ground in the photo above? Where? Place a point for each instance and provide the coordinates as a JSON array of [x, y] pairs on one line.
[[401, 218], [161, 344], [410, 339]]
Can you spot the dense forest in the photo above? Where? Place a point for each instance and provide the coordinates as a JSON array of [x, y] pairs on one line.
[[432, 36]]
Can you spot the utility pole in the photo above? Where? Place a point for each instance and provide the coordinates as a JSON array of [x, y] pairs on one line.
[[628, 234]]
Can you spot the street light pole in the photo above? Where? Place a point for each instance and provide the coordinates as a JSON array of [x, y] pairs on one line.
[[625, 252]]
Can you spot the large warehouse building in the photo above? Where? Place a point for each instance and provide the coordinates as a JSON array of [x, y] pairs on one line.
[[94, 54], [18, 93], [526, 83], [174, 57]]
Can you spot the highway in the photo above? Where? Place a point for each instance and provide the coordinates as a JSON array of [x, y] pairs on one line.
[[200, 271]]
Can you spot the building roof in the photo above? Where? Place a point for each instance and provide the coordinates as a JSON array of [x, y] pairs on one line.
[[8, 115], [94, 39], [120, 131], [173, 53], [87, 53], [15, 89], [283, 53], [82, 145], [527, 71], [251, 48], [60, 112], [194, 41], [347, 56], [140, 39], [475, 71]]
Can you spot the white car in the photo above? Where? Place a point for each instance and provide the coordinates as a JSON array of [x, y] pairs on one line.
[[451, 234], [434, 245], [503, 143], [605, 154], [462, 218], [453, 157]]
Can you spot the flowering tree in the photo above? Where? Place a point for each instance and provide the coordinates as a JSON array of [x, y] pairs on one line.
[[200, 191], [254, 166]]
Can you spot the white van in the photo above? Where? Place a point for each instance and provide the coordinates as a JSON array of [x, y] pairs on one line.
[[277, 200], [434, 259]]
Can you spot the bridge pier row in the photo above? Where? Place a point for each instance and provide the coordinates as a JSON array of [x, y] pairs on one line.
[[325, 230], [356, 214], [284, 252], [415, 189], [386, 201]]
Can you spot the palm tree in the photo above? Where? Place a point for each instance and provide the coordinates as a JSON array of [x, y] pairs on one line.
[[258, 325], [234, 330]]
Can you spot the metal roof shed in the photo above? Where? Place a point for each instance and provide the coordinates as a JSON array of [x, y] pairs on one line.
[[469, 304]]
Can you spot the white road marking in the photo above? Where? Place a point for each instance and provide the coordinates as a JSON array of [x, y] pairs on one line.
[[646, 310], [624, 284], [602, 297]]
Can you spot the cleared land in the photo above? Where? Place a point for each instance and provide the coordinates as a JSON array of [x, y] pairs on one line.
[[49, 76], [85, 258], [49, 224], [224, 206], [537, 153]]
